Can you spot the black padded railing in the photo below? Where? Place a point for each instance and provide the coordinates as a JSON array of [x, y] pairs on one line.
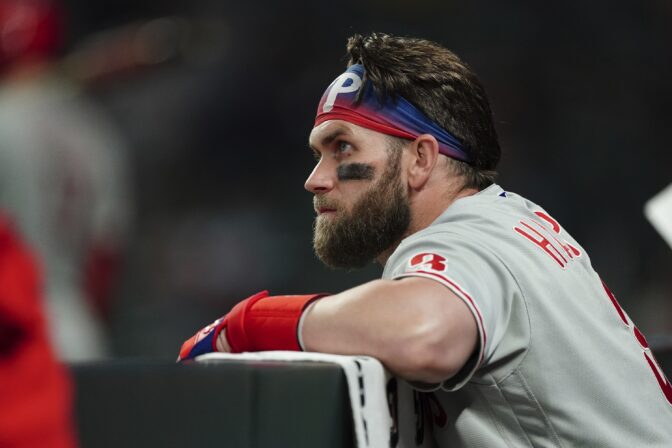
[[242, 404]]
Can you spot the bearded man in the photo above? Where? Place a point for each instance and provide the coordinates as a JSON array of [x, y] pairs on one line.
[[486, 304]]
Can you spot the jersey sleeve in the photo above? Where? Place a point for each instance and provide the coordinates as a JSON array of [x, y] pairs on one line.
[[474, 274]]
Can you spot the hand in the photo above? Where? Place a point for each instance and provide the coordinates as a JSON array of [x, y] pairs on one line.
[[206, 340], [212, 338], [258, 323]]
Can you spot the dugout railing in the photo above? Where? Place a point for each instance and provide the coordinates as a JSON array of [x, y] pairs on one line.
[[144, 404], [141, 404]]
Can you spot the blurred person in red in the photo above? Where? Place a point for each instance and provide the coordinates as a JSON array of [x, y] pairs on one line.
[[35, 399], [62, 176]]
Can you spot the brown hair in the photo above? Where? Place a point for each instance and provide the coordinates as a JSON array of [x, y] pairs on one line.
[[439, 84]]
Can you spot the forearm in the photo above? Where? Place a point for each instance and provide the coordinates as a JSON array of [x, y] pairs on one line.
[[418, 333], [417, 327]]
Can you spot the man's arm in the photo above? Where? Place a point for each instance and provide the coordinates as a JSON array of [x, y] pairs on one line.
[[417, 327]]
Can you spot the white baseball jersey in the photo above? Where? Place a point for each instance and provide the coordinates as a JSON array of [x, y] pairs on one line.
[[560, 364]]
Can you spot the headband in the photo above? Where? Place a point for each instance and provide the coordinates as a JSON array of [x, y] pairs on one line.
[[398, 117]]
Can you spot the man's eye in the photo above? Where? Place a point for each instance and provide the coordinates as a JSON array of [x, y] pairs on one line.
[[343, 146]]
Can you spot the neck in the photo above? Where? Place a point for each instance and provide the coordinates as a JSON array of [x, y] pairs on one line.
[[427, 205]]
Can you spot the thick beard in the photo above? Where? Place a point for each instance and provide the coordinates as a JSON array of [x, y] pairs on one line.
[[378, 221]]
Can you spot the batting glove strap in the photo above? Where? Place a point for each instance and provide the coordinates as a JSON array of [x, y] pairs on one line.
[[264, 322]]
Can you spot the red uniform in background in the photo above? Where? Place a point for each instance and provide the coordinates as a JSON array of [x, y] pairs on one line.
[[35, 392]]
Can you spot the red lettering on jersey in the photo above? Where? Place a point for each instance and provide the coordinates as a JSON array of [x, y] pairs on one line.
[[556, 228], [428, 261], [540, 240], [554, 224], [540, 234], [617, 305], [662, 380], [640, 338]]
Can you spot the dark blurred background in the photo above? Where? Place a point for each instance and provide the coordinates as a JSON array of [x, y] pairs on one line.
[[218, 108]]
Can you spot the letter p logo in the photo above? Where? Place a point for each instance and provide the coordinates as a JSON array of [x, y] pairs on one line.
[[346, 83]]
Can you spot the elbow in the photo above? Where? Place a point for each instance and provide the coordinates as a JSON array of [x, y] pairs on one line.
[[429, 365], [434, 355]]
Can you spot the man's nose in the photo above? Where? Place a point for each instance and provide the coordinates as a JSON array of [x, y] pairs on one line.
[[321, 180]]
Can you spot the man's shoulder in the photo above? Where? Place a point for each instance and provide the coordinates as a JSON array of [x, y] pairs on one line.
[[490, 224], [478, 215]]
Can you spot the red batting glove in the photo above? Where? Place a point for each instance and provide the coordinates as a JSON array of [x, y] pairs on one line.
[[258, 323]]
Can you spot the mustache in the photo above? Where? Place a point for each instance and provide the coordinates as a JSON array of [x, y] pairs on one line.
[[320, 202]]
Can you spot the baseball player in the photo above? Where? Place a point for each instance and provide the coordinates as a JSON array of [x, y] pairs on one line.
[[488, 310], [63, 177]]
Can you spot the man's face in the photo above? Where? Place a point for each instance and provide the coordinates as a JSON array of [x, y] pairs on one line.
[[360, 199]]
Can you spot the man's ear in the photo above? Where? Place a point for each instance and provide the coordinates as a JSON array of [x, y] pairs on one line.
[[424, 155]]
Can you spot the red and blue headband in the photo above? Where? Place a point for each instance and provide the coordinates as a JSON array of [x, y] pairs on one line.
[[393, 117]]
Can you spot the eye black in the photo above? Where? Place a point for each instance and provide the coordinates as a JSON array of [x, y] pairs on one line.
[[355, 171]]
